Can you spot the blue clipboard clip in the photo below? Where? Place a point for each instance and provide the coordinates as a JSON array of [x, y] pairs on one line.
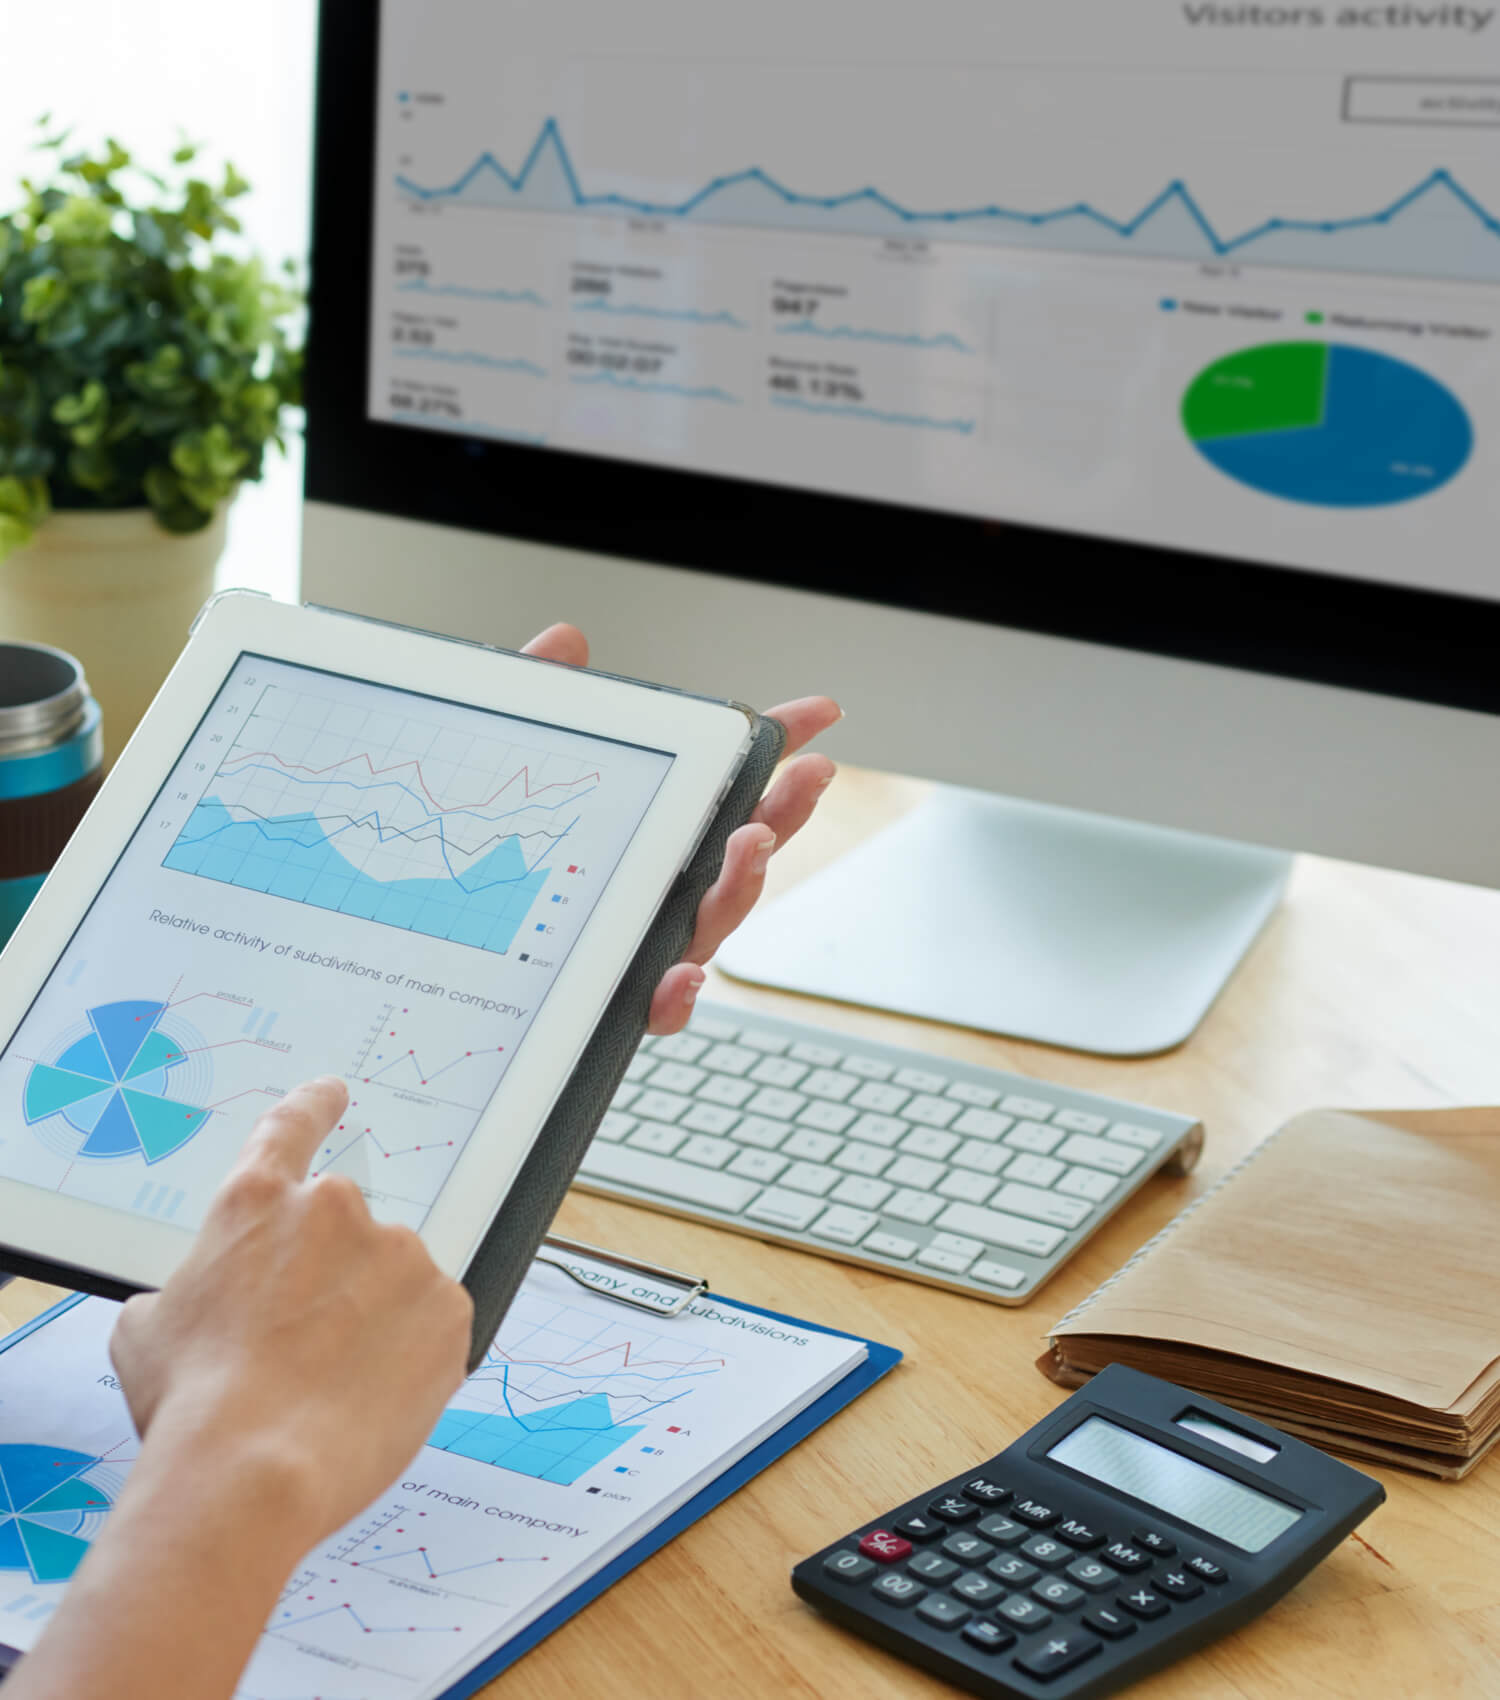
[[659, 1291]]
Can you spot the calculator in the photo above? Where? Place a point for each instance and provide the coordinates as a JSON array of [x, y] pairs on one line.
[[1135, 1524]]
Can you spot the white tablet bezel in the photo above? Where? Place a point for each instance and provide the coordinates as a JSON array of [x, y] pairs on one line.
[[706, 740]]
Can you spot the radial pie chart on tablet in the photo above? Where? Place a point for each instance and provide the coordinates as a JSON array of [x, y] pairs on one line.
[[50, 1509], [1327, 424], [108, 1094]]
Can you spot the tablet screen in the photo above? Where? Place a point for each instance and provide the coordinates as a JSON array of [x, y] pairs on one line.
[[336, 878]]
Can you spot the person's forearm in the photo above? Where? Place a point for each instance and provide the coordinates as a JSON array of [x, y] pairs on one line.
[[168, 1603]]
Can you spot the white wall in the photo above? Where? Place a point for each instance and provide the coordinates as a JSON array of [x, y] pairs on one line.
[[237, 78]]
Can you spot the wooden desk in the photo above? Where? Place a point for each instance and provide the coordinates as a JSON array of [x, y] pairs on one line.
[[1368, 989]]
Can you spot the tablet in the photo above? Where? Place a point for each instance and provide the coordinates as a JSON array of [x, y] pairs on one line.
[[336, 847]]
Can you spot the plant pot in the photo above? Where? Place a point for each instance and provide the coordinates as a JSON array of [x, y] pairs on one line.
[[117, 592]]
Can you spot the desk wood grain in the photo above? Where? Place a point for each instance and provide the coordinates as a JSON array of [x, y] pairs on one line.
[[1369, 989]]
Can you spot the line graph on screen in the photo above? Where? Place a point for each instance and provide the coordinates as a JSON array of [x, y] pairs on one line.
[[394, 819]]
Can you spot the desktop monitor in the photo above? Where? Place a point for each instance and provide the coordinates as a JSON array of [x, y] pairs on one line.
[[1101, 399]]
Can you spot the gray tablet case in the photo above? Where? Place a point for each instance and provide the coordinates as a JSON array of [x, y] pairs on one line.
[[500, 1264]]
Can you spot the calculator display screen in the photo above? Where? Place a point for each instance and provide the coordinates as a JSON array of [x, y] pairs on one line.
[[1156, 1474]]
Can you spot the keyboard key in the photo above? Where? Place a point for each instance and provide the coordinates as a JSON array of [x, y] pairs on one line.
[[1023, 1613], [1145, 1602], [759, 1131], [1178, 1585], [713, 1026], [920, 1527], [757, 1165], [1032, 1136], [614, 1125], [977, 1590], [705, 1149], [996, 1228], [1148, 1540], [1036, 1512], [985, 1159], [1015, 1572], [1034, 1109], [984, 1491], [709, 1118], [967, 1548], [844, 1226], [1080, 1121], [930, 1112], [774, 1101], [729, 1059], [1043, 1550], [777, 1071], [678, 1077], [862, 1192], [829, 1083], [933, 1568], [1003, 1531], [625, 1097], [928, 1142], [811, 1147], [1113, 1625], [917, 1172], [965, 1184], [944, 1612], [888, 1245], [981, 1124], [1206, 1570], [1033, 1171], [758, 1039], [1147, 1138], [1057, 1594], [780, 1209], [910, 1206], [668, 1177], [1091, 1574], [679, 1047], [869, 1068], [1125, 1557], [829, 1118], [966, 1092], [1085, 1183], [820, 1056], [957, 1244], [919, 1080], [863, 1159], [951, 1263], [639, 1066], [884, 1100], [848, 1566], [988, 1637], [1101, 1154], [723, 1089], [1058, 1653], [1004, 1275], [652, 1136], [885, 1548], [1041, 1206], [876, 1130], [1081, 1536], [660, 1106], [953, 1508], [815, 1178], [896, 1588]]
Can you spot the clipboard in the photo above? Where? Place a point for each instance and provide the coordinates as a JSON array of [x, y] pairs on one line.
[[554, 1252]]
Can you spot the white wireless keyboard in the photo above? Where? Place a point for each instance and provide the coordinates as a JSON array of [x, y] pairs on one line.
[[966, 1177]]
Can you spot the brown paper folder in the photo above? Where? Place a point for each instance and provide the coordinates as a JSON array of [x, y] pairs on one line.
[[1342, 1283]]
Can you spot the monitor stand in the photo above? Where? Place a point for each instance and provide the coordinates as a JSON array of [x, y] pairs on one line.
[[1042, 923]]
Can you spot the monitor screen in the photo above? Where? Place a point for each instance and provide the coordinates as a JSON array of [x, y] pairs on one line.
[[1212, 278]]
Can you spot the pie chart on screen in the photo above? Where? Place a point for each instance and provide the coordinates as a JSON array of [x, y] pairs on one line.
[[1327, 424]]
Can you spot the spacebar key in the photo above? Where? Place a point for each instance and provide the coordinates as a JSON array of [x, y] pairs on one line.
[[668, 1177]]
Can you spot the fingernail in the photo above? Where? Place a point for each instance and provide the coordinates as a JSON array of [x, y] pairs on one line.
[[694, 986], [335, 1080], [823, 784], [763, 854]]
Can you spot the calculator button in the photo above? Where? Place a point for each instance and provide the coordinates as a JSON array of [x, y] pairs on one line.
[[968, 1549], [1043, 1550], [1079, 1534], [988, 1637], [1124, 1557], [985, 1492], [952, 1509], [897, 1589], [1151, 1542], [1061, 1596], [1003, 1531], [1056, 1654], [1178, 1585], [1024, 1613], [978, 1590], [1113, 1625], [1206, 1570], [1014, 1570], [1091, 1574], [945, 1613], [1032, 1511], [847, 1566], [884, 1547], [1144, 1602], [919, 1527], [931, 1567]]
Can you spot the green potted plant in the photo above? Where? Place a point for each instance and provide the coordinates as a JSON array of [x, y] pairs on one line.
[[146, 363]]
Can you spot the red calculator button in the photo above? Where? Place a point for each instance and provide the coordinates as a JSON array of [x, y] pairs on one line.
[[884, 1547]]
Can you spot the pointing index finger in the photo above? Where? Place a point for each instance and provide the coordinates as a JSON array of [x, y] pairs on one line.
[[287, 1135]]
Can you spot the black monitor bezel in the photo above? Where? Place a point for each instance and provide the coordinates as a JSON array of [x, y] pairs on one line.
[[1428, 646]]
